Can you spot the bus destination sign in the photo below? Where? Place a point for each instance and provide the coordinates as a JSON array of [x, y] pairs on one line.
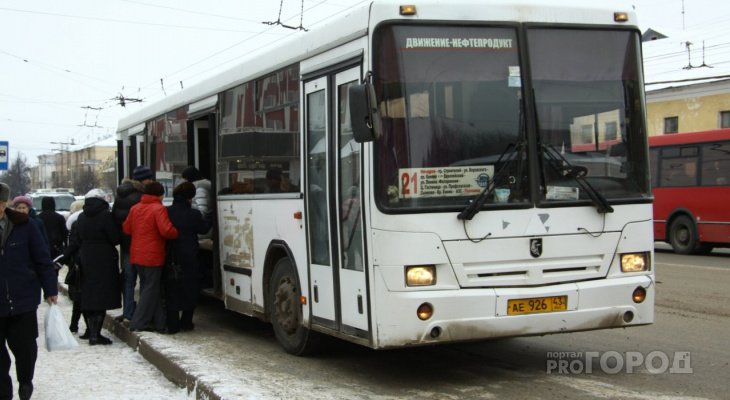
[[444, 181]]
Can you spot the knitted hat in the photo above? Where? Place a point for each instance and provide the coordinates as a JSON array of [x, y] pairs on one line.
[[95, 194], [185, 189], [4, 192], [23, 199], [141, 173], [154, 188], [48, 203], [191, 174]]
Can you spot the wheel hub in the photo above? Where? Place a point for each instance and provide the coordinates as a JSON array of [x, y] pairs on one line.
[[286, 306]]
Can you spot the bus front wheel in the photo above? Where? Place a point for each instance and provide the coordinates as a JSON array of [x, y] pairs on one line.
[[285, 311], [683, 235]]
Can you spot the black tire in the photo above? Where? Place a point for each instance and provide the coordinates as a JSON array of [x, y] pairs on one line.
[[285, 311], [683, 235]]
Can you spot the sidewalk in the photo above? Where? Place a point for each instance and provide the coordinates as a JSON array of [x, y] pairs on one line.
[[134, 367], [95, 372], [236, 360]]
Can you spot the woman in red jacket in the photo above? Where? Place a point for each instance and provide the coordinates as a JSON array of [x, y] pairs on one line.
[[149, 226]]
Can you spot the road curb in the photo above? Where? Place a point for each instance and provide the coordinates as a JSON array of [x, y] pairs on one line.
[[165, 364]]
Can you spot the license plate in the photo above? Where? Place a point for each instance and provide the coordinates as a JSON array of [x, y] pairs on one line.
[[537, 305]]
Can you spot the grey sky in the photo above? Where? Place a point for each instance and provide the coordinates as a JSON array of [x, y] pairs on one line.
[[59, 57]]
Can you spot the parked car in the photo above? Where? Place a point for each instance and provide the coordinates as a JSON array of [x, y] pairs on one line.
[[63, 201]]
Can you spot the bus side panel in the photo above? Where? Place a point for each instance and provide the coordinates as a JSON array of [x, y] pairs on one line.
[[247, 228], [236, 231], [714, 233], [274, 219]]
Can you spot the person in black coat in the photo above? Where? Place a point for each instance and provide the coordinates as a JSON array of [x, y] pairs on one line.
[[25, 266], [181, 297], [55, 226], [95, 238], [129, 193]]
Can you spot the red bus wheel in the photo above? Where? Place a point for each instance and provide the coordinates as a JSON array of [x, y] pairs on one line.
[[683, 235]]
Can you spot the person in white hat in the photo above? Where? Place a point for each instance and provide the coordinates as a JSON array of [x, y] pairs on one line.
[[95, 237]]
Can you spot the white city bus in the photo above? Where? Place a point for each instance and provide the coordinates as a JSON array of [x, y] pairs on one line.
[[423, 174]]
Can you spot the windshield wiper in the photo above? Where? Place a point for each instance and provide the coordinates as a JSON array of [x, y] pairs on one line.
[[577, 173], [561, 165], [519, 149], [473, 208]]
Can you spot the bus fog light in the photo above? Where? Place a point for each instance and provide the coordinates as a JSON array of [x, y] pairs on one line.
[[435, 332], [425, 311], [639, 295], [628, 316], [421, 275], [635, 262]]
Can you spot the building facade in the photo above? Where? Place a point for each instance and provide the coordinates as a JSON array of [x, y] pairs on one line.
[[689, 108], [81, 169]]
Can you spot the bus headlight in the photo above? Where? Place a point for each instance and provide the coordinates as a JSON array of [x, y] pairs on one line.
[[421, 275], [635, 262]]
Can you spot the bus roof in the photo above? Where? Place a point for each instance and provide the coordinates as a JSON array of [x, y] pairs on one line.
[[689, 137], [355, 24]]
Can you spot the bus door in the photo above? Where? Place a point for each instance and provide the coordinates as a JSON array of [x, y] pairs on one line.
[[201, 145], [338, 277]]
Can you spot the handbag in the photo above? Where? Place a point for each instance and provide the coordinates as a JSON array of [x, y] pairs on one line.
[[58, 336], [172, 270], [72, 275]]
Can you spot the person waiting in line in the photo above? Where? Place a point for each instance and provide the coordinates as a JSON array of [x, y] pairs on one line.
[[73, 278], [203, 202], [26, 268], [149, 226], [25, 205], [129, 193], [181, 297], [55, 226], [95, 239]]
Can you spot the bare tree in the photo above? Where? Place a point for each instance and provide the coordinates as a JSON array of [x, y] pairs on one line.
[[17, 176], [85, 181]]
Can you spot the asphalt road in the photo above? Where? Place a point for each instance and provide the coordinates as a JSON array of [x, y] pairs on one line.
[[692, 320]]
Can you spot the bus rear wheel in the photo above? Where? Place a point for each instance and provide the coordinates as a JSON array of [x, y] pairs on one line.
[[285, 311], [683, 235]]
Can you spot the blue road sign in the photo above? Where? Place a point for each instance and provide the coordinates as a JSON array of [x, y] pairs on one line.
[[4, 152]]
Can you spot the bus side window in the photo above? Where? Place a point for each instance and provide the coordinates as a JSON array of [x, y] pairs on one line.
[[715, 164]]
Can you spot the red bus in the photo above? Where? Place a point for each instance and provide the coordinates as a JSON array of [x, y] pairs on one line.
[[690, 173]]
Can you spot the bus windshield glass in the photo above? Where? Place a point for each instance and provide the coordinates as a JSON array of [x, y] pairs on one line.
[[450, 103], [587, 89]]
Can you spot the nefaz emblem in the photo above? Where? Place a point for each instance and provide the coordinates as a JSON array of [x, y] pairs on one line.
[[536, 247]]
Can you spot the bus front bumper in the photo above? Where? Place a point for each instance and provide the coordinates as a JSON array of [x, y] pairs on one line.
[[478, 314]]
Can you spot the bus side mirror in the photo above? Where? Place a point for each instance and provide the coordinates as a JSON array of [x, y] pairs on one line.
[[364, 113]]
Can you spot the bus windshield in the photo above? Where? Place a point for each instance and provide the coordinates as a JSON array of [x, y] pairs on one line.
[[587, 89], [452, 103]]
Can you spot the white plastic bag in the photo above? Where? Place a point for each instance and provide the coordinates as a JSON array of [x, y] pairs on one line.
[[58, 336]]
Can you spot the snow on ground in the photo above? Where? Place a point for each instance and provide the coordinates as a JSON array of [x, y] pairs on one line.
[[95, 372]]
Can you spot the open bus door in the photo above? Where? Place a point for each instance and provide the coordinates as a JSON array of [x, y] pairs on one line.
[[201, 147], [337, 265]]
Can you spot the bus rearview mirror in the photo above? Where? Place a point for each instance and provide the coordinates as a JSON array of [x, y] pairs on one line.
[[364, 113]]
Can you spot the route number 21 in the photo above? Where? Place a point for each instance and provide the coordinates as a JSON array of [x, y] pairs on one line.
[[407, 181]]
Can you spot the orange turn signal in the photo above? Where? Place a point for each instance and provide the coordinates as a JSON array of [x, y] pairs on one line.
[[639, 295], [425, 311]]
